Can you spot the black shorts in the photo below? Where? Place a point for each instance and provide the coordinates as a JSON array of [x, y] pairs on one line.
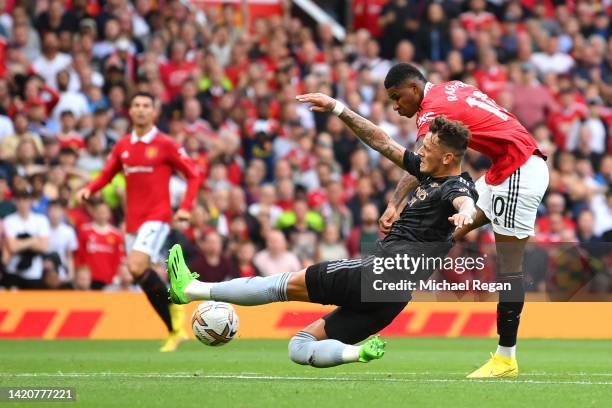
[[339, 283]]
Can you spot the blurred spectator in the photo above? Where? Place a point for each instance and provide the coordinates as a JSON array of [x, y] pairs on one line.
[[335, 211], [555, 206], [276, 258], [101, 247], [7, 206], [51, 274], [244, 265], [593, 130], [477, 19], [27, 239], [52, 60], [69, 100], [532, 101], [210, 261], [267, 199], [301, 232], [22, 132], [586, 228], [551, 59], [362, 239], [397, 22], [62, 240], [432, 40], [82, 279], [331, 247]]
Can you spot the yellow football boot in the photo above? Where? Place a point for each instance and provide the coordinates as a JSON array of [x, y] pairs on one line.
[[178, 335], [497, 367]]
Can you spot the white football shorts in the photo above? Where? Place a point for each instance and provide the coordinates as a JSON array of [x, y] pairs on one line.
[[149, 239], [512, 205]]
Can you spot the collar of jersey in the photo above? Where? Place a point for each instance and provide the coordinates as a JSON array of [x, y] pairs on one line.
[[465, 175], [147, 138], [428, 87]]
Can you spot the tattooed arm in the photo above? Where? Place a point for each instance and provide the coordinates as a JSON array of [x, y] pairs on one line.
[[377, 139], [374, 137], [365, 130]]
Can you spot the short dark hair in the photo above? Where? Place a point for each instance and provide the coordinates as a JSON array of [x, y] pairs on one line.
[[143, 94], [55, 203], [451, 133], [402, 72]]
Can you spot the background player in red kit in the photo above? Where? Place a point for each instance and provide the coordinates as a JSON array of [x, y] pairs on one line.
[[148, 158], [509, 193]]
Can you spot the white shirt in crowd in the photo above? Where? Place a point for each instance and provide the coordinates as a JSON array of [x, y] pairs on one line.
[[558, 63], [63, 241], [6, 127], [36, 225], [597, 131], [602, 214], [48, 69], [74, 102]]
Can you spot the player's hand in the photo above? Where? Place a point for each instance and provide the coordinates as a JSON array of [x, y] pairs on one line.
[[182, 215], [83, 195], [388, 218], [459, 220], [320, 102]]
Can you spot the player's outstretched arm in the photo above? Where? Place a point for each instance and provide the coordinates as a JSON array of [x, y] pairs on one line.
[[365, 130], [466, 211]]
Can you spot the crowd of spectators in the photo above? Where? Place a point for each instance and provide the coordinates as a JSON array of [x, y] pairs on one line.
[[281, 187]]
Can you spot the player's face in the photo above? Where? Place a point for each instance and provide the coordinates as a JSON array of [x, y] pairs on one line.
[[405, 98], [433, 157], [142, 111]]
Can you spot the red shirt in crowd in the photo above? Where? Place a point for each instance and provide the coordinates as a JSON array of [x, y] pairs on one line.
[[474, 23], [366, 14], [561, 121], [492, 81], [496, 133], [101, 250], [174, 74], [148, 162]]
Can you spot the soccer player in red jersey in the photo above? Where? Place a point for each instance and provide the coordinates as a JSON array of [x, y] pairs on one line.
[[148, 158], [509, 194]]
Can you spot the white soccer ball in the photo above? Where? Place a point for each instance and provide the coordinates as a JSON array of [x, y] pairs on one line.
[[214, 323]]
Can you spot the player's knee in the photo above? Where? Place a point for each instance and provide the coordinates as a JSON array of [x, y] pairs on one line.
[[300, 350], [136, 266]]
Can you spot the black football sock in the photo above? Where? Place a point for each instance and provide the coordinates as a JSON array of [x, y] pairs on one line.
[[509, 309], [157, 293]]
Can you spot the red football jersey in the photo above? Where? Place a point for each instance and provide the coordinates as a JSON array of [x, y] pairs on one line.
[[101, 250], [148, 163], [173, 75], [496, 133]]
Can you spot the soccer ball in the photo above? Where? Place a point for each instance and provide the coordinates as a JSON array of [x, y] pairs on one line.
[[214, 323]]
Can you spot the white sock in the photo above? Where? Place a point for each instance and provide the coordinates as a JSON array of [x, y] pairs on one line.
[[197, 290], [350, 354], [509, 352]]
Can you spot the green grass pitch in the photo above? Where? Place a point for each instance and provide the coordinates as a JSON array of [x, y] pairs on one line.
[[418, 372]]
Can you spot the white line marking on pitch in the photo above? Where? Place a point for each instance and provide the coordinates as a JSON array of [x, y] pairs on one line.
[[293, 378], [529, 374]]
